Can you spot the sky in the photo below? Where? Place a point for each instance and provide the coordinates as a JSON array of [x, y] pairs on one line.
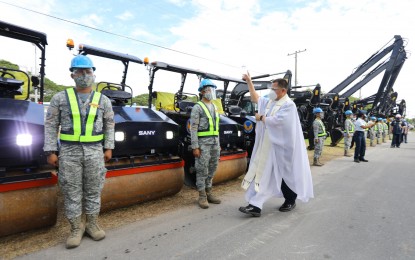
[[224, 37]]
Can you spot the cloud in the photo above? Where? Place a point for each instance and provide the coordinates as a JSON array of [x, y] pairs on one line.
[[338, 35], [126, 16], [91, 20]]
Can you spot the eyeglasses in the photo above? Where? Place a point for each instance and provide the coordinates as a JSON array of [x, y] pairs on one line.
[[83, 71], [275, 89]]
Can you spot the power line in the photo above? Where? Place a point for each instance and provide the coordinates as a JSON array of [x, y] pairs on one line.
[[118, 35]]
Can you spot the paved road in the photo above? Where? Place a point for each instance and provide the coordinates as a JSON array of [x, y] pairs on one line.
[[360, 211]]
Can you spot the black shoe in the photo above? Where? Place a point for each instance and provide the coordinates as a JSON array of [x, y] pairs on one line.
[[356, 160], [254, 211], [286, 206], [398, 147], [363, 160]]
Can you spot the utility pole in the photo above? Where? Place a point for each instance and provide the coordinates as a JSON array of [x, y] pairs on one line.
[[295, 71]]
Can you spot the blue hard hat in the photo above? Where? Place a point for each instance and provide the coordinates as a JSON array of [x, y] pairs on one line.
[[379, 119], [348, 112], [81, 62], [317, 110], [206, 83], [384, 120], [373, 118]]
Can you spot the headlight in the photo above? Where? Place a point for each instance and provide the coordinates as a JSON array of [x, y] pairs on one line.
[[239, 133], [119, 136], [24, 139], [169, 135]]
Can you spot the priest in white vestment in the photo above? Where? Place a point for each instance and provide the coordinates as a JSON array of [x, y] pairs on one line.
[[279, 165]]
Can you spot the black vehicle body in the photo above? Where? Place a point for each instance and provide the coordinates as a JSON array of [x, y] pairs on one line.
[[147, 132], [21, 117]]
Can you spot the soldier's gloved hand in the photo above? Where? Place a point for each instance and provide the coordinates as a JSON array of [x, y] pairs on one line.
[[53, 160], [107, 155], [196, 152]]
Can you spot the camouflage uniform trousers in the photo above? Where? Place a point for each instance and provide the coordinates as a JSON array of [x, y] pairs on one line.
[[372, 137], [318, 147], [384, 137], [206, 165], [347, 142], [379, 137], [81, 179]]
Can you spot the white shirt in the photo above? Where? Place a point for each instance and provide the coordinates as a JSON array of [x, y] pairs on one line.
[[359, 123]]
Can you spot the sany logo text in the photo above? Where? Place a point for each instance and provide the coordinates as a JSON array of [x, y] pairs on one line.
[[150, 132]]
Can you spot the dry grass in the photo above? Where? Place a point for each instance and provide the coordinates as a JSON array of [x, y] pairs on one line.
[[28, 242]]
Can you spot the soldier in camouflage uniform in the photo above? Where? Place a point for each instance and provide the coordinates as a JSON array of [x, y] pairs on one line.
[[319, 135], [385, 130], [348, 132], [379, 128], [85, 122], [372, 131], [204, 132]]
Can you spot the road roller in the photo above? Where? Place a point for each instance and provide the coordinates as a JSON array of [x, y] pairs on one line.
[[178, 106], [145, 164], [28, 187]]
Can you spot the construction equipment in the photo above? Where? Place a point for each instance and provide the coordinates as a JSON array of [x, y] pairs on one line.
[[381, 100], [145, 162], [28, 191], [178, 105]]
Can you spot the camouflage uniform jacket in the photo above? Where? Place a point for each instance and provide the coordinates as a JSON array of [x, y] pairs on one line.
[[199, 120], [59, 117]]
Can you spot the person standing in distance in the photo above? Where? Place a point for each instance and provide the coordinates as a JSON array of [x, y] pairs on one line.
[[372, 131], [396, 126], [385, 130], [85, 122], [359, 136], [319, 135], [279, 165], [348, 132], [204, 132]]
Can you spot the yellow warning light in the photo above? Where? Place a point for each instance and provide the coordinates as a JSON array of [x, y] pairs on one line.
[[146, 60], [70, 44]]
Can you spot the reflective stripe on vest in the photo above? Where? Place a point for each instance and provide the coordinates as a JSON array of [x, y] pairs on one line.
[[78, 134], [324, 129], [348, 130], [213, 126]]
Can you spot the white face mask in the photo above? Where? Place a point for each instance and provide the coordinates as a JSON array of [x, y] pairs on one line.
[[272, 95]]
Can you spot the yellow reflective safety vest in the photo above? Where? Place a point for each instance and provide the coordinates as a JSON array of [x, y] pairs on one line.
[[349, 131], [83, 133], [213, 125], [321, 134]]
